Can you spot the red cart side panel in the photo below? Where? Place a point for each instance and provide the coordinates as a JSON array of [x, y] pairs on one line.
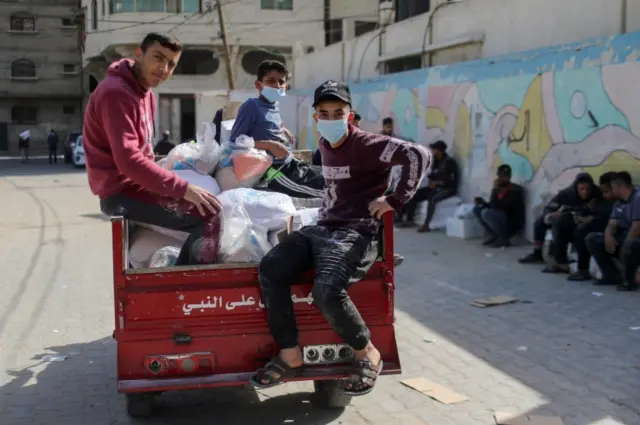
[[219, 312]]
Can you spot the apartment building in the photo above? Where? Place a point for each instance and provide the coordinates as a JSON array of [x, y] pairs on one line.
[[41, 85], [256, 29]]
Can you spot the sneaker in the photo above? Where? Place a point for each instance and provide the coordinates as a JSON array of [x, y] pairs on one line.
[[532, 257]]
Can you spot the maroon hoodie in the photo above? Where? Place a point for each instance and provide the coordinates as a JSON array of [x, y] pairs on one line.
[[117, 133]]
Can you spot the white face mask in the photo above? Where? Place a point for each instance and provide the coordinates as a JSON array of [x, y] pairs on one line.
[[333, 130]]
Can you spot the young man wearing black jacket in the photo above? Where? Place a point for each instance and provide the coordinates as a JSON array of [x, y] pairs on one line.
[[569, 200], [443, 184], [504, 215], [575, 227]]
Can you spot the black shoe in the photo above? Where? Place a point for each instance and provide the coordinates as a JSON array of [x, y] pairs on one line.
[[489, 240], [532, 258], [627, 288], [606, 282], [501, 243]]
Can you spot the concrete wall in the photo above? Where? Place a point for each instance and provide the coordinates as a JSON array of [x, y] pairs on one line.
[[548, 113], [507, 26]]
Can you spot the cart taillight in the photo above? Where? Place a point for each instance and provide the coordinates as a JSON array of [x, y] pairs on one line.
[[180, 364]]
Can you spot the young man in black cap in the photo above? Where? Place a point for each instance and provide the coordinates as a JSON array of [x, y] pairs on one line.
[[443, 184], [342, 246]]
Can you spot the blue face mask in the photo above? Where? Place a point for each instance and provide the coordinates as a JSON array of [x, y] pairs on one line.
[[273, 94], [332, 130]]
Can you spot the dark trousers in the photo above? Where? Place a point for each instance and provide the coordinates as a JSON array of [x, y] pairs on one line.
[[566, 231], [340, 258], [540, 231], [296, 179], [142, 206], [53, 154], [627, 252], [432, 196], [495, 222]]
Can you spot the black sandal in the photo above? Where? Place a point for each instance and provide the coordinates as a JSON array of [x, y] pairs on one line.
[[277, 367], [364, 378]]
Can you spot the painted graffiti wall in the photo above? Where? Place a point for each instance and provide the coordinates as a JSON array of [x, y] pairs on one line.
[[549, 114]]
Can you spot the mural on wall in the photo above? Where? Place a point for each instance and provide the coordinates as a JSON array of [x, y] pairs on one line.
[[548, 126]]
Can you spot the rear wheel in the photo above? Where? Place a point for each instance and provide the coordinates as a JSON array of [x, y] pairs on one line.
[[330, 394], [140, 405]]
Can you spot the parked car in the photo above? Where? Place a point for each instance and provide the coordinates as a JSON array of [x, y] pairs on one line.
[[77, 157], [67, 146]]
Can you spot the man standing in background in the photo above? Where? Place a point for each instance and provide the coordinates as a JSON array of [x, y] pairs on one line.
[[52, 142]]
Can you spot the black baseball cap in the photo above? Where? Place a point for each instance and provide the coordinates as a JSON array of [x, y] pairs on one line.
[[332, 90], [439, 146]]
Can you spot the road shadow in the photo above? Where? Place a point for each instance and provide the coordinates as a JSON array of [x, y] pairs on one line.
[[570, 345], [82, 390], [36, 167]]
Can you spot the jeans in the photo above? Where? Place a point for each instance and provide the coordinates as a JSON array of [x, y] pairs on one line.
[[340, 257], [140, 205], [432, 197], [495, 222], [627, 251], [566, 231]]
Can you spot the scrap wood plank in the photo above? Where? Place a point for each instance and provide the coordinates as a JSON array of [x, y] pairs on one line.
[[503, 418], [493, 301], [436, 391]]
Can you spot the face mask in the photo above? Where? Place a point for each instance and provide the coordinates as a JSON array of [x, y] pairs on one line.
[[332, 130], [273, 94]]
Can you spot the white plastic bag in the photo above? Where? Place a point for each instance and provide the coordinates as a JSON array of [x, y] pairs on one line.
[[242, 241], [165, 257], [267, 209], [464, 211], [241, 165], [201, 156], [145, 242], [203, 181]]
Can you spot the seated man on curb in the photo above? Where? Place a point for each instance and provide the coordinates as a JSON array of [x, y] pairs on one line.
[[574, 228], [118, 128], [342, 246], [621, 238], [576, 196], [504, 215], [443, 184]]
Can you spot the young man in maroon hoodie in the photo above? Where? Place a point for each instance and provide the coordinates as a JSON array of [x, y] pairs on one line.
[[356, 166], [117, 134]]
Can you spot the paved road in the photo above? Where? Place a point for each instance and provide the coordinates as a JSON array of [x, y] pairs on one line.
[[568, 352]]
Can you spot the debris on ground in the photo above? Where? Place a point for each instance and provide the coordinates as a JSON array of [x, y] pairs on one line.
[[436, 391], [52, 358], [503, 418], [493, 301]]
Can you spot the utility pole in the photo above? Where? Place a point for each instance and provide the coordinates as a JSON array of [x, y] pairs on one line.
[[225, 45]]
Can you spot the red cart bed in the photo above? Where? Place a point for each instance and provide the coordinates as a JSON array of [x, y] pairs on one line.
[[205, 326]]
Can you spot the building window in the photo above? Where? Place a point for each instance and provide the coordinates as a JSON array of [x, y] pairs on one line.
[[22, 114], [162, 6], [363, 27], [403, 64], [332, 31], [409, 8], [94, 15], [197, 62], [23, 21], [276, 4], [23, 68], [68, 109], [69, 68]]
